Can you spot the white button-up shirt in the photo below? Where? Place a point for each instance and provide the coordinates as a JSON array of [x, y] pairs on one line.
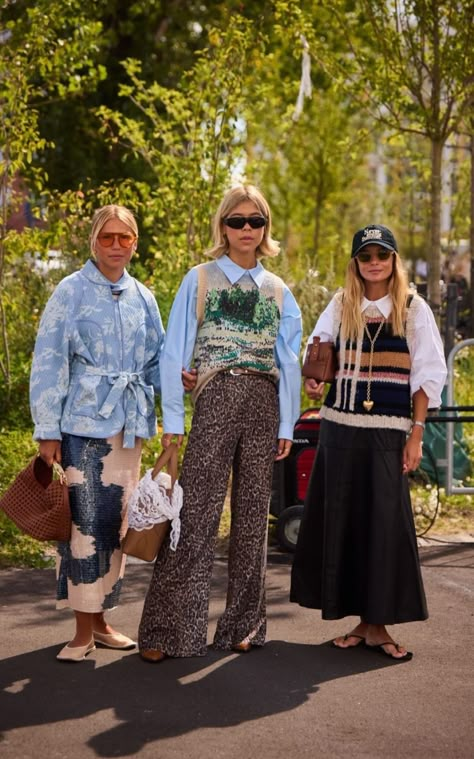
[[428, 365]]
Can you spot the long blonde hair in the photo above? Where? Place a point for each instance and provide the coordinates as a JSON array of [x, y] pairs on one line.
[[352, 323], [232, 198], [105, 214]]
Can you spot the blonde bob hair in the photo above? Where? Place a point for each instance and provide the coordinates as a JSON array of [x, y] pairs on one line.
[[232, 198], [105, 214], [352, 323]]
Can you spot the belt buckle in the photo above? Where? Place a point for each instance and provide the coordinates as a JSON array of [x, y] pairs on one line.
[[238, 372]]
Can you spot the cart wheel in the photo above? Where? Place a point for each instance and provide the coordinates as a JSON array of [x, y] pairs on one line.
[[424, 495], [288, 527]]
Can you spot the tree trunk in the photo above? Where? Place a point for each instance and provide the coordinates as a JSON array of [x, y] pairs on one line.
[[316, 228], [5, 367], [471, 237], [434, 253], [318, 204]]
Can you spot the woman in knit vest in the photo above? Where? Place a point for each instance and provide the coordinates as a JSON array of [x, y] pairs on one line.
[[241, 328], [357, 553]]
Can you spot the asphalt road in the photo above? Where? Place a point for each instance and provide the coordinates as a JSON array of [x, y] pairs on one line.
[[296, 697]]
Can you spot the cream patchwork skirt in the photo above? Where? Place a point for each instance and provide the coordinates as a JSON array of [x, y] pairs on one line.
[[101, 475]]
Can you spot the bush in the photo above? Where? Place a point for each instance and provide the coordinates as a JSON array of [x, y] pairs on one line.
[[17, 549]]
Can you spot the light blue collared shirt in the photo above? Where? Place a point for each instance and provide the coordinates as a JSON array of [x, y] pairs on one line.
[[181, 337]]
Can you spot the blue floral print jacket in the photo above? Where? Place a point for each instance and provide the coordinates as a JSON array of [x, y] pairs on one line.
[[96, 360]]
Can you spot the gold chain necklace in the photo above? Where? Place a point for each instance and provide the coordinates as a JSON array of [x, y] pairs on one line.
[[368, 404]]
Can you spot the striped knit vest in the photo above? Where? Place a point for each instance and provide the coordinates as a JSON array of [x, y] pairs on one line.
[[390, 377], [238, 324]]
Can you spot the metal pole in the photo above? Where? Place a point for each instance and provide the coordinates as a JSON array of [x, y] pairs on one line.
[[471, 235], [450, 488], [451, 317]]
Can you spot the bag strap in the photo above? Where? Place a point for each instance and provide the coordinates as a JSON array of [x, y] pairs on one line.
[[278, 293], [201, 292], [169, 457], [45, 474], [59, 472]]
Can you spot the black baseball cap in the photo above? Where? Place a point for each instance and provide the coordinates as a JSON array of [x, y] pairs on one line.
[[373, 234]]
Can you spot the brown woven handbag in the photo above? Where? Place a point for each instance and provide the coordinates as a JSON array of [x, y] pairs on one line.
[[39, 504], [320, 362]]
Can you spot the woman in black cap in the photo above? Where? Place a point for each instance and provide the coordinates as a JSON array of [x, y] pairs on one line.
[[357, 553]]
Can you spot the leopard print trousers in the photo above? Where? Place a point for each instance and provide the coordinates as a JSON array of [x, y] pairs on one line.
[[235, 424]]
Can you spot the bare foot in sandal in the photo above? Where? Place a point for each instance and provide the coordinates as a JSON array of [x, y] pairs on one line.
[[378, 639], [353, 638]]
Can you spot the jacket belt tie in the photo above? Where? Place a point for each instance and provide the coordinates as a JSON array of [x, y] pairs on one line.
[[137, 397]]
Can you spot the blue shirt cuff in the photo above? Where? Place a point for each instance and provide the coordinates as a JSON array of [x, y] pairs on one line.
[[173, 423], [285, 431], [47, 433]]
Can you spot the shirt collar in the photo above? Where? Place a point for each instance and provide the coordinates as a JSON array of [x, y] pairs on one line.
[[234, 272], [93, 274], [384, 305]]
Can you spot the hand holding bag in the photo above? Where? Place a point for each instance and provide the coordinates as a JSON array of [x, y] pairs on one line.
[[320, 361], [153, 506], [39, 504]]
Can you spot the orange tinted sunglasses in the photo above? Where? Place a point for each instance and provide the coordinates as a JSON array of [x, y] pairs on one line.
[[107, 239]]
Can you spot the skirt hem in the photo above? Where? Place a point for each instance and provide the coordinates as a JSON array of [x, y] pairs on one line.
[[327, 616]]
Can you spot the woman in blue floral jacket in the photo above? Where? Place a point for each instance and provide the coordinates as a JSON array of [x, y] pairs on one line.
[[95, 372]]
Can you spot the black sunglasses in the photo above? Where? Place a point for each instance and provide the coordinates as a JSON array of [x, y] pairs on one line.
[[239, 222], [382, 255]]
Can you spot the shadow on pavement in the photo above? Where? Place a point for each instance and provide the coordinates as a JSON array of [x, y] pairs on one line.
[[154, 702], [132, 704], [448, 555]]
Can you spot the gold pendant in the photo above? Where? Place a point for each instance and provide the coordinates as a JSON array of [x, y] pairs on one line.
[[368, 405]]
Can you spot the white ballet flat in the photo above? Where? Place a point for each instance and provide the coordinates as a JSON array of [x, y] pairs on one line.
[[114, 640], [75, 653]]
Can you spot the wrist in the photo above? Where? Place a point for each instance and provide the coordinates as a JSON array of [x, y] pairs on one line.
[[416, 431]]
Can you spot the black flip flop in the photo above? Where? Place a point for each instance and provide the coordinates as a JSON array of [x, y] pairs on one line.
[[346, 636], [379, 649]]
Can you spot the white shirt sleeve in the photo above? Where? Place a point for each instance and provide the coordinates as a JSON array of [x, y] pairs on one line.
[[428, 365], [324, 326]]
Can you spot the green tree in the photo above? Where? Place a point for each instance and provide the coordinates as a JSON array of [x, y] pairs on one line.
[[39, 58], [164, 36], [413, 73], [311, 167], [189, 140]]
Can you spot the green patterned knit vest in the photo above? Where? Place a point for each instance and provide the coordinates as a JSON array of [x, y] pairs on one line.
[[238, 324]]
